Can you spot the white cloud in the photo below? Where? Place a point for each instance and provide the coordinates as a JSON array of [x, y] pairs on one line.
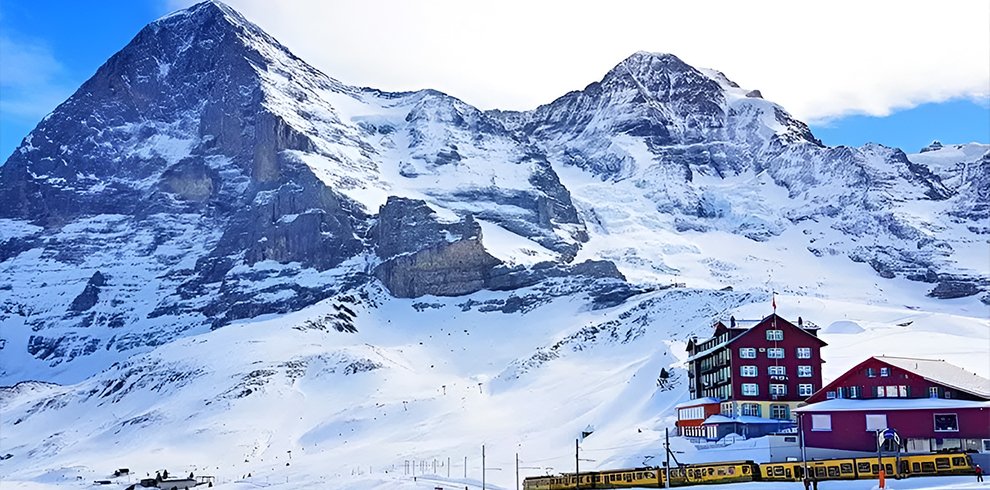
[[31, 81], [820, 60]]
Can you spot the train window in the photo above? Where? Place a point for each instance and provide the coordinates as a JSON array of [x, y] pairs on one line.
[[916, 467], [875, 468], [833, 471], [639, 476], [629, 477], [846, 467], [596, 479], [863, 467], [787, 472], [927, 467], [778, 470], [942, 463], [711, 471], [819, 472], [649, 475], [745, 469], [958, 461]]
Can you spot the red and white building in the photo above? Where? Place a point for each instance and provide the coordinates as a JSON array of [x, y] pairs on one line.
[[693, 413], [931, 404], [758, 373]]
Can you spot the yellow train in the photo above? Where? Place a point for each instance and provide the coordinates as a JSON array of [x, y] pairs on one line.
[[859, 468], [740, 471]]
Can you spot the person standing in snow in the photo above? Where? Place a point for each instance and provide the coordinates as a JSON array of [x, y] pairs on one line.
[[979, 473]]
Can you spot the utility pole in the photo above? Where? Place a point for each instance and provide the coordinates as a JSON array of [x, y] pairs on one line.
[[482, 466], [448, 466], [517, 471], [465, 467], [577, 464], [666, 445], [880, 472]]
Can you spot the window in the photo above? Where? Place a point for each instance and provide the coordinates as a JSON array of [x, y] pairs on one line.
[[876, 422], [804, 352], [747, 371], [747, 353], [821, 422], [871, 373], [880, 392], [933, 391], [777, 371], [750, 389], [902, 391], [778, 389], [854, 392], [775, 353], [752, 409], [807, 390], [884, 372], [778, 412], [775, 335], [804, 371], [830, 395], [946, 422], [891, 391]]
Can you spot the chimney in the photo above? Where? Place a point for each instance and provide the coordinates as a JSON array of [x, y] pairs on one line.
[[800, 322], [732, 321]]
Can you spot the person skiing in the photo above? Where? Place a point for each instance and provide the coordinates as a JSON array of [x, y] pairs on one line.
[[979, 473]]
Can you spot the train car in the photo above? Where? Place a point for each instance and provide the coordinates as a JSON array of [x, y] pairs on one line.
[[929, 464], [625, 478], [868, 468], [709, 473], [740, 471], [684, 475], [829, 469]]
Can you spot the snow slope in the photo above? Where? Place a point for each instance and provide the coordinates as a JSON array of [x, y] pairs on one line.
[[707, 198]]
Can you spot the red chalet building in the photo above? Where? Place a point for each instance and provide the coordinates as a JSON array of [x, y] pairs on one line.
[[933, 406], [758, 374]]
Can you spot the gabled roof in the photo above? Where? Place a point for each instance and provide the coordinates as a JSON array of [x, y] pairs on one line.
[[745, 331], [943, 373]]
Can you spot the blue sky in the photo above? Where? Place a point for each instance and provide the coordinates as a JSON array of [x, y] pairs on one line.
[[48, 48]]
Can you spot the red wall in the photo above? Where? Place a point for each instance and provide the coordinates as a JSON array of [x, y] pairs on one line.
[[849, 428], [917, 386], [710, 409], [794, 337]]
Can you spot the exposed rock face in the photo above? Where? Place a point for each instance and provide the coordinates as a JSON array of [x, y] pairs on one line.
[[88, 298], [450, 269], [423, 255], [950, 289], [208, 168]]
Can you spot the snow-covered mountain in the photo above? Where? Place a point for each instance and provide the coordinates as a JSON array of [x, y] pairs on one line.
[[392, 269]]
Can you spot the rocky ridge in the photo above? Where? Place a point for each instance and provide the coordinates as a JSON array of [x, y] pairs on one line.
[[206, 175]]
